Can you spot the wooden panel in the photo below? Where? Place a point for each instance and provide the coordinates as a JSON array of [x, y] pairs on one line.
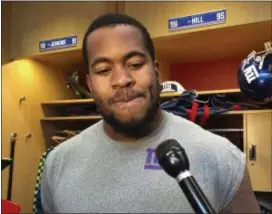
[[221, 43], [95, 117], [64, 102], [35, 82], [155, 15], [164, 70], [36, 21], [5, 21], [258, 131], [59, 59], [121, 6], [234, 42]]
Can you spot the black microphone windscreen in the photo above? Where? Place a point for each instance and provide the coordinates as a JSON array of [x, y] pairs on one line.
[[172, 157]]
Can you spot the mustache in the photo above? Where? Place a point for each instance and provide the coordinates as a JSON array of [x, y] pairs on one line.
[[126, 95]]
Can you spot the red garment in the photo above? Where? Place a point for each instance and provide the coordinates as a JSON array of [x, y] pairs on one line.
[[9, 207]]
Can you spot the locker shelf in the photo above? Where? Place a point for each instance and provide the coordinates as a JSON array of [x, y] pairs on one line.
[[95, 117]]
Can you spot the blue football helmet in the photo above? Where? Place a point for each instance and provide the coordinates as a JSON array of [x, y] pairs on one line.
[[255, 75]]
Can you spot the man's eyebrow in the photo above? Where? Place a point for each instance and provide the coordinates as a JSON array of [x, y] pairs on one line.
[[126, 57], [98, 60], [134, 53]]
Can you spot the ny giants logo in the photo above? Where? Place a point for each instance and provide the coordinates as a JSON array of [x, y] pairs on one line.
[[151, 161], [251, 73]]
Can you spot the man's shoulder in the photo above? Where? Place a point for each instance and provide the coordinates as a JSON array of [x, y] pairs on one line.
[[190, 131], [75, 144], [212, 153], [199, 139]]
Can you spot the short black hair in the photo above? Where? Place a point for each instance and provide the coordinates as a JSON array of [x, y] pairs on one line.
[[113, 19]]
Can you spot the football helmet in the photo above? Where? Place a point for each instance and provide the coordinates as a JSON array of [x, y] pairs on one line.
[[255, 75]]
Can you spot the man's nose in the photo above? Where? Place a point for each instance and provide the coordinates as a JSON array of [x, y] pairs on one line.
[[121, 78]]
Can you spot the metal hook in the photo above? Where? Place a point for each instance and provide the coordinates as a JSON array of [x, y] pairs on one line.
[[22, 99], [28, 135]]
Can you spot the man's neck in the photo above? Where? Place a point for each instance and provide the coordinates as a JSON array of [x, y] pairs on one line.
[[124, 138]]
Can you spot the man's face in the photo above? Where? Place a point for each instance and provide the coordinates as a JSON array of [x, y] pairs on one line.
[[122, 77]]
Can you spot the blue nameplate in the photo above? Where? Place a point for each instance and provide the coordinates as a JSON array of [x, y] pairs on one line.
[[197, 20], [59, 43]]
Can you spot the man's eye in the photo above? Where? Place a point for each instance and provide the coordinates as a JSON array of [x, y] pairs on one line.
[[135, 65], [103, 71]]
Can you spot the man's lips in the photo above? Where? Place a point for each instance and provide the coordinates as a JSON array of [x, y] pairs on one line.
[[126, 99]]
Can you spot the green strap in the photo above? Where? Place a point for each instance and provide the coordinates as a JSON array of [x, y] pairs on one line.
[[37, 207]]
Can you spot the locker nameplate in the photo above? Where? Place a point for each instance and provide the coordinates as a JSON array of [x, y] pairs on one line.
[[59, 43], [198, 20]]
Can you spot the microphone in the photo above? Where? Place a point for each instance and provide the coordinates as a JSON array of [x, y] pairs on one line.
[[174, 161]]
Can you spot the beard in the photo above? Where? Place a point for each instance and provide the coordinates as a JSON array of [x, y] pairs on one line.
[[135, 127]]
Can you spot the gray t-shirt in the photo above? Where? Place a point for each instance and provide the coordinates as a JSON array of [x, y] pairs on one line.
[[91, 173]]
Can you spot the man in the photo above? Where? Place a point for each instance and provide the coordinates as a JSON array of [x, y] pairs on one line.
[[108, 167]]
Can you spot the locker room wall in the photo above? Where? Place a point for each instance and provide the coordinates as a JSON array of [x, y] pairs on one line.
[[197, 52], [48, 20], [208, 75], [36, 82], [155, 14], [5, 22]]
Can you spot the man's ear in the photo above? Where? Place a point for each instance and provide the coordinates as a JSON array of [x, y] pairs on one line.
[[89, 82]]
